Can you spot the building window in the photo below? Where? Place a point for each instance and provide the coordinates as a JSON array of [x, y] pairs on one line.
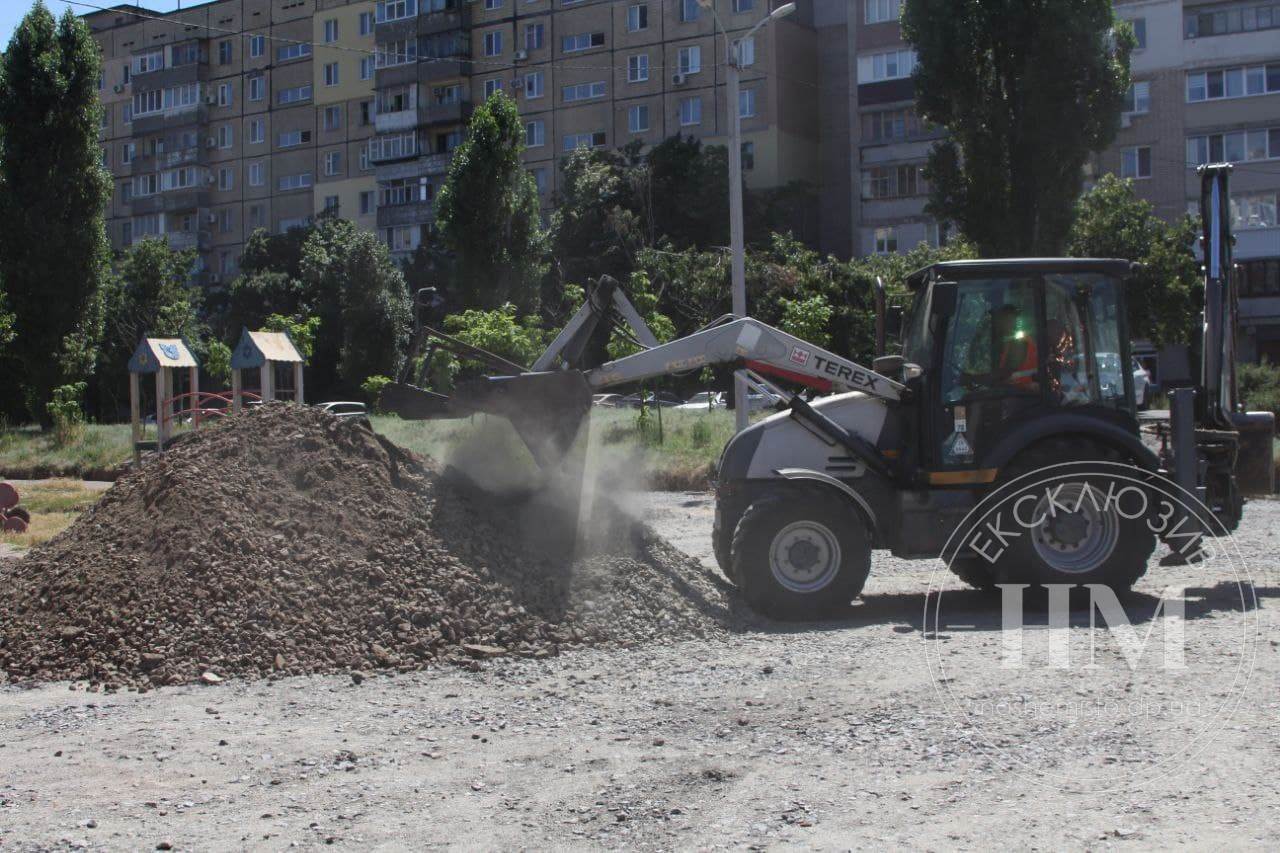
[[225, 178], [126, 233], [224, 52], [533, 35], [638, 119], [879, 11], [294, 95], [1139, 32], [748, 153], [1137, 101], [637, 18], [540, 179], [332, 163], [257, 88], [584, 140], [224, 94], [690, 59], [747, 103], [638, 68], [581, 41], [1234, 146], [295, 50], [400, 52], [257, 131], [366, 23], [332, 118], [890, 125], [1254, 210], [330, 31], [402, 238], [366, 68], [886, 241], [583, 91], [534, 83], [740, 6], [331, 74], [257, 46], [257, 173], [889, 65], [302, 180], [145, 63], [535, 134], [690, 111], [394, 10], [366, 113], [493, 43], [1238, 18], [127, 151], [1233, 82], [492, 86], [492, 4], [746, 52], [1135, 162], [900, 181], [184, 54], [367, 202], [397, 99], [256, 218], [225, 136], [688, 10], [290, 138], [393, 147], [128, 112]]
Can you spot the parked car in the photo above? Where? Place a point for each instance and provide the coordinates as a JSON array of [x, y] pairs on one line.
[[665, 399], [757, 401], [702, 401], [344, 409], [607, 401]]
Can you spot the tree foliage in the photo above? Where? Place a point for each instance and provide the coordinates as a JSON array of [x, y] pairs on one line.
[[487, 212], [1026, 90], [54, 253], [1164, 295]]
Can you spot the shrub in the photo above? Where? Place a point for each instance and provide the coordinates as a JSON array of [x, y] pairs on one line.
[[372, 388], [65, 412], [1259, 386]]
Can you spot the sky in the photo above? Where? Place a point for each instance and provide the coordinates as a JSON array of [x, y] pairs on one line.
[[11, 11]]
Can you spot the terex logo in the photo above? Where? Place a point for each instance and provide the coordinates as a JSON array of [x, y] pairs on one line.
[[845, 372], [800, 355]]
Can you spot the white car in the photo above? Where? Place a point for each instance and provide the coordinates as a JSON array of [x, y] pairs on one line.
[[702, 401], [344, 409]]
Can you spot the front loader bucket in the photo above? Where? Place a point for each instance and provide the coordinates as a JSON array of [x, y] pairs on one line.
[[546, 409]]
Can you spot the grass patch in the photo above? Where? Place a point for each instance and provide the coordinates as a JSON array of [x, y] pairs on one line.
[[99, 449], [53, 505]]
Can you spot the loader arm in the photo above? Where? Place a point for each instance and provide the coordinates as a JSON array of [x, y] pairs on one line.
[[760, 347]]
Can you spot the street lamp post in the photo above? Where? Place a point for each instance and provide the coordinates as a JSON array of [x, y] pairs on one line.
[[736, 239]]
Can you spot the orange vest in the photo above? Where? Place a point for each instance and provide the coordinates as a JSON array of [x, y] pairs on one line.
[[1025, 372]]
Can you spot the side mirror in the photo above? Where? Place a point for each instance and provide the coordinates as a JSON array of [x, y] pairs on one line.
[[889, 366], [893, 321], [944, 298]]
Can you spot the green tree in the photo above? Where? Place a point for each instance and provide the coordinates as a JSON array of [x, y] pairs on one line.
[[487, 212], [807, 319], [1026, 90], [1164, 294], [500, 331], [54, 253]]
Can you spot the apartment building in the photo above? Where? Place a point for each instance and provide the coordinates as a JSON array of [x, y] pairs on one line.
[[584, 74], [231, 116], [1207, 88]]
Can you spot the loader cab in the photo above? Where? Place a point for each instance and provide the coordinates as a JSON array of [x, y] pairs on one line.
[[1000, 352]]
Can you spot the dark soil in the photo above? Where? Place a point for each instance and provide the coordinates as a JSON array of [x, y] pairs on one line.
[[286, 541]]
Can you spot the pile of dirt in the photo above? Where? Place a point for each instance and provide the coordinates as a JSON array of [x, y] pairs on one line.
[[286, 541]]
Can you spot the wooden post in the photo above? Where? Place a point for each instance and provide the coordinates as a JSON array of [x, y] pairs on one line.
[[235, 391], [265, 377], [194, 381], [160, 372], [135, 416], [297, 384]]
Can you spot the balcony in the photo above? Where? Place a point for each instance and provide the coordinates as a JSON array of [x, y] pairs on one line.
[[430, 23], [413, 213], [401, 120], [182, 240], [170, 119], [451, 113], [170, 201], [443, 68]]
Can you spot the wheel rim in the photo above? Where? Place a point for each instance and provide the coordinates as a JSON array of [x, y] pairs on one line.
[[804, 556], [1078, 540]]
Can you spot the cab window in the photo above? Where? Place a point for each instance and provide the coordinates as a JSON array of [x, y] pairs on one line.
[[990, 344]]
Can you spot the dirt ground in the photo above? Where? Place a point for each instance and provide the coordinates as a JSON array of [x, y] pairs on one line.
[[877, 729]]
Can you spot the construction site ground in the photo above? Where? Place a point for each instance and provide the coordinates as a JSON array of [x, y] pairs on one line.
[[831, 735]]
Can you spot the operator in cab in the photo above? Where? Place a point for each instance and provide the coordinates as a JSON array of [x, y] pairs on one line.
[[1015, 339]]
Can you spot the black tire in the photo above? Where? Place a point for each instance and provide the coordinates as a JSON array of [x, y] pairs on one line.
[[813, 522], [1074, 550], [722, 544]]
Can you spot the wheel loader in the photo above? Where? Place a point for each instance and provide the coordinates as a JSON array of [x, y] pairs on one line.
[[1007, 366]]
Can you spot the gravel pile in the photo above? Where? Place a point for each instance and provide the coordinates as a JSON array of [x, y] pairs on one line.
[[285, 541]]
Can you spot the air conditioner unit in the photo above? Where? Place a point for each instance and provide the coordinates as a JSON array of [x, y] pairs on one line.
[[214, 278], [679, 79], [211, 218], [211, 142], [522, 54], [211, 100], [517, 83], [119, 87]]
